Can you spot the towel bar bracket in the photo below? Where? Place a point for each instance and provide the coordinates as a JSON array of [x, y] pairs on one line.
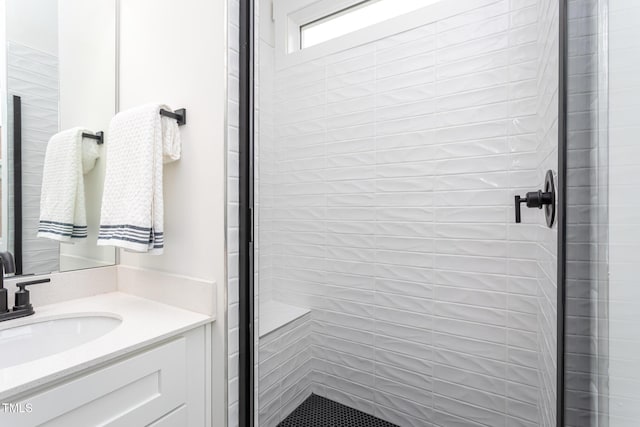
[[99, 136], [180, 115]]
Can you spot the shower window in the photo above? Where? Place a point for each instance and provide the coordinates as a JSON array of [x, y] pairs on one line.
[[306, 30], [355, 17]]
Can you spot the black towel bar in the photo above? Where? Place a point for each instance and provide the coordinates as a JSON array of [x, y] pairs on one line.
[[180, 115], [99, 136]]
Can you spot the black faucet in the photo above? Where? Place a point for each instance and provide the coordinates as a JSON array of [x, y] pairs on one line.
[[7, 265], [22, 306]]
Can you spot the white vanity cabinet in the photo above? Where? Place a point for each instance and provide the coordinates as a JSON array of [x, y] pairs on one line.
[[163, 385]]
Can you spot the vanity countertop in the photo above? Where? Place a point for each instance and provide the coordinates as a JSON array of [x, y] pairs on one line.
[[143, 322]]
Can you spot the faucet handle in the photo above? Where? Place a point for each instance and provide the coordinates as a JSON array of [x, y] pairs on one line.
[[8, 262], [22, 301], [23, 285]]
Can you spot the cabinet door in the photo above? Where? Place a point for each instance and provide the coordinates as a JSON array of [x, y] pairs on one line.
[[177, 418], [134, 392]]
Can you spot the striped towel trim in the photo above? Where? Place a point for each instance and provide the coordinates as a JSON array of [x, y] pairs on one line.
[[63, 229], [132, 233]]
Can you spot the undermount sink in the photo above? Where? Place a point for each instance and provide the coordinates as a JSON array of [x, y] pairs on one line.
[[42, 338]]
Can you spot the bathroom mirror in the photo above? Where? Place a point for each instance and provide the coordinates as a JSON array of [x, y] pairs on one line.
[[59, 71]]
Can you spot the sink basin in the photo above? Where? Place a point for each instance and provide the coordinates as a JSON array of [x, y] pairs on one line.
[[42, 338]]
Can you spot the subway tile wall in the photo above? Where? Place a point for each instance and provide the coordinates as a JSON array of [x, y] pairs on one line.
[[387, 176], [284, 364], [285, 370]]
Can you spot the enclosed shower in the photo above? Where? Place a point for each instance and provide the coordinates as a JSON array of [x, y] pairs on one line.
[[391, 278], [437, 213]]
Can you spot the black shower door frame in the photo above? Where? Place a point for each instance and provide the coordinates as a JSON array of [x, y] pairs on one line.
[[562, 209], [246, 380]]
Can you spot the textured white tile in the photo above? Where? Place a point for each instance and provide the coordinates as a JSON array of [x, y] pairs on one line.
[[468, 411], [405, 50], [489, 61]]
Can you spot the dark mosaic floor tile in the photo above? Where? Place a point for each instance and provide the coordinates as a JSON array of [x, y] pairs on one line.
[[318, 411]]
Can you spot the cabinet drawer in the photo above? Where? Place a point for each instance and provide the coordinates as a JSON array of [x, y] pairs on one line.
[[133, 392]]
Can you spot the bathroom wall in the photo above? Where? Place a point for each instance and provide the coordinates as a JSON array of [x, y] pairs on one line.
[[88, 99], [386, 207], [32, 73], [33, 23], [175, 53]]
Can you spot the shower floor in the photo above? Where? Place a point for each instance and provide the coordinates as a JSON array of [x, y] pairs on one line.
[[318, 411]]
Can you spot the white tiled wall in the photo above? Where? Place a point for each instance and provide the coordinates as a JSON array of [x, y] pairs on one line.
[[388, 210], [285, 370], [33, 75]]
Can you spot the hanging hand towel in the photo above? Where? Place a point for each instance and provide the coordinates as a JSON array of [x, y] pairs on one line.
[[90, 155], [62, 207], [140, 141]]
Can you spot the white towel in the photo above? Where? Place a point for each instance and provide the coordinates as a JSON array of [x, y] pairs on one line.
[[90, 154], [140, 141], [62, 207]]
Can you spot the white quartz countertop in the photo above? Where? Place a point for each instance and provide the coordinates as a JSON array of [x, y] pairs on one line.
[[144, 322]]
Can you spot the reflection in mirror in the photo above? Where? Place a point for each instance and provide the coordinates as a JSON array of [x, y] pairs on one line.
[[58, 86]]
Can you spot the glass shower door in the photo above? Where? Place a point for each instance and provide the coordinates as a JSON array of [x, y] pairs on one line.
[[603, 366], [393, 281]]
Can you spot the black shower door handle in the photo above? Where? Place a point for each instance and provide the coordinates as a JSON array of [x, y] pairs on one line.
[[540, 199]]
